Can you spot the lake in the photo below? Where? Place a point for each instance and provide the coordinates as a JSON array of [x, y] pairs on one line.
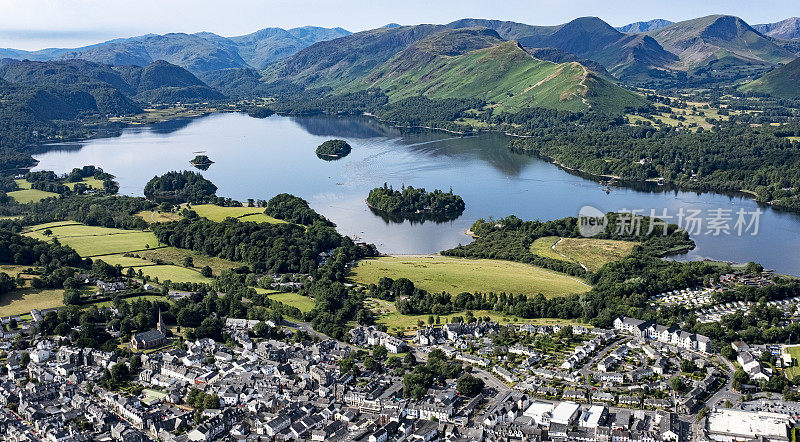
[[259, 158]]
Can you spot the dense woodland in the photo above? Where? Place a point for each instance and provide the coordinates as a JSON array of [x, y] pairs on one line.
[[294, 209]]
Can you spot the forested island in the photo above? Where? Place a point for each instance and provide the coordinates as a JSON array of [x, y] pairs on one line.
[[333, 149], [180, 187], [201, 162], [410, 200]]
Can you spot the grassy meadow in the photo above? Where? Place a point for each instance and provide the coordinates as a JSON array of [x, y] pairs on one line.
[[455, 275], [110, 245], [592, 253], [304, 303]]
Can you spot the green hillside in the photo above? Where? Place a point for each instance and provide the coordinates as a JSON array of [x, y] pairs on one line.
[[783, 82], [500, 72]]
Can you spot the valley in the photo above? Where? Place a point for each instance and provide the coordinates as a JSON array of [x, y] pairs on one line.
[[459, 229]]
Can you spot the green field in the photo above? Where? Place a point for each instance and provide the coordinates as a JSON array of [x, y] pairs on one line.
[[94, 183], [794, 370], [455, 275], [388, 315], [174, 274], [92, 241], [176, 256], [592, 253], [150, 298], [30, 195], [26, 299], [304, 303], [219, 213], [109, 245], [158, 217], [544, 247]]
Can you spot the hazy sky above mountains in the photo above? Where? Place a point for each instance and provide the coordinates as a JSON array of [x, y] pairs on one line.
[[37, 24]]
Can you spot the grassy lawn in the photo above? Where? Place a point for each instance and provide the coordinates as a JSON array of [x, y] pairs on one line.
[[544, 247], [174, 274], [176, 256], [791, 372], [26, 299], [594, 253], [93, 241], [456, 275], [94, 183], [150, 298], [13, 270], [30, 195], [394, 320], [124, 261], [218, 213], [304, 303], [158, 217]]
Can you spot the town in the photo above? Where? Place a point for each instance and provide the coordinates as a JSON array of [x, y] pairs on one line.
[[637, 381]]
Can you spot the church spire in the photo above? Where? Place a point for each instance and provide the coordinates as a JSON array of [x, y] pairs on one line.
[[161, 326]]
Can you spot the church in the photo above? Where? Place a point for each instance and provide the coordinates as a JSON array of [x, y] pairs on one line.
[[152, 338]]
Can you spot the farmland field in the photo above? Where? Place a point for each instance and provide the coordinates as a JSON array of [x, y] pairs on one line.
[[544, 247], [389, 316], [92, 241], [109, 245], [26, 299], [219, 213], [454, 275], [176, 256], [304, 303], [174, 274], [158, 217], [594, 253], [30, 195]]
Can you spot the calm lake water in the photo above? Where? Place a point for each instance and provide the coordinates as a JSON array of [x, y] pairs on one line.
[[258, 158]]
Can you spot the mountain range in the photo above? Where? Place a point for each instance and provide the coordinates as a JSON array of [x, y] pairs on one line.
[[574, 65], [784, 29], [64, 90], [199, 53]]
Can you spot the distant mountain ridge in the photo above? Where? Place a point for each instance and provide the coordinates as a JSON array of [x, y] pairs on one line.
[[199, 53], [785, 29], [591, 38], [450, 62], [71, 87], [644, 26], [702, 40]]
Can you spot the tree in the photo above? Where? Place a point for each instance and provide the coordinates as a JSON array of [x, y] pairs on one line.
[[211, 401], [72, 297], [677, 384], [729, 353], [188, 261], [409, 360], [688, 366], [206, 271], [469, 385], [24, 359], [740, 378], [380, 352]]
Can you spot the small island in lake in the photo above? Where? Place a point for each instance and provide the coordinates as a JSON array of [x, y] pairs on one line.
[[413, 201], [201, 162], [333, 149]]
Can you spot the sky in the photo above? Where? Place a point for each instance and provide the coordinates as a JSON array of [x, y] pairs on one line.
[[37, 24]]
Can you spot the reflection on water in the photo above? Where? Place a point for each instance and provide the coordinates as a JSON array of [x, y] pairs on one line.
[[259, 158], [415, 218]]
